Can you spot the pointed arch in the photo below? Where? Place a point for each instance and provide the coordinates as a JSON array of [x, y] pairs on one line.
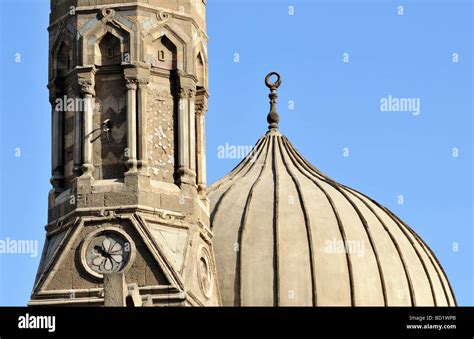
[[110, 50], [91, 39], [200, 70], [62, 52], [107, 37], [63, 60], [164, 34], [162, 53]]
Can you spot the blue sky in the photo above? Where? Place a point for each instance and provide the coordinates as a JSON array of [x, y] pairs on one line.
[[336, 107]]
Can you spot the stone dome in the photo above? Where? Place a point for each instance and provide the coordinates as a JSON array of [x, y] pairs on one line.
[[285, 234]]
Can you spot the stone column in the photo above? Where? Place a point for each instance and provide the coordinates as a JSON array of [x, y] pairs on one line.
[[142, 126], [183, 154], [201, 149], [186, 135], [132, 124], [87, 89], [115, 289], [192, 129], [57, 174], [78, 122], [83, 123], [186, 90]]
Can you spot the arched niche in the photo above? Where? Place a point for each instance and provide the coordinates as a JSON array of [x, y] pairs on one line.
[[62, 59], [110, 51], [200, 68], [104, 39], [162, 53], [163, 48]]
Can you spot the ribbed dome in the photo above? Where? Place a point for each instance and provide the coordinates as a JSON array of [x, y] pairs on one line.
[[286, 234]]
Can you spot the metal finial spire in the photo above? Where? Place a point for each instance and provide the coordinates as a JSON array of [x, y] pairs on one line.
[[273, 117]]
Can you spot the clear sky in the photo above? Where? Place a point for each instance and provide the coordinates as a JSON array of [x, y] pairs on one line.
[[338, 60]]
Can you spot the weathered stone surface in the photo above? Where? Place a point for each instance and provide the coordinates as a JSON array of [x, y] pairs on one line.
[[127, 152], [285, 234], [96, 199], [115, 290], [62, 280], [118, 199], [129, 186]]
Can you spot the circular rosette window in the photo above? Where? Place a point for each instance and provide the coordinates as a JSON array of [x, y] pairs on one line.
[[106, 251], [205, 272]]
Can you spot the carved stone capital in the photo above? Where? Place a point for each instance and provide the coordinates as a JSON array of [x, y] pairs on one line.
[[201, 109], [191, 93], [132, 83], [143, 82], [85, 80], [86, 86], [201, 101], [182, 93], [186, 93]]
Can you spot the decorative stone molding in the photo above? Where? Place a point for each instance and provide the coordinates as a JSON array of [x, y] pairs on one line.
[[169, 215], [108, 214], [107, 250], [107, 14], [162, 17], [204, 272]]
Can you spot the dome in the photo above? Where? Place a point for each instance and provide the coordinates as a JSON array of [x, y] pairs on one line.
[[285, 234]]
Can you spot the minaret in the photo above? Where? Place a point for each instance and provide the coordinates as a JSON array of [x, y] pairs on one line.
[[128, 89]]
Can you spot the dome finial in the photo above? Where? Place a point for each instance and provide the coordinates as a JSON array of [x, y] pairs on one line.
[[273, 117]]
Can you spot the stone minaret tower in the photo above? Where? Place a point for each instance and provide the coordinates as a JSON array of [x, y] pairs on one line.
[[128, 89]]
